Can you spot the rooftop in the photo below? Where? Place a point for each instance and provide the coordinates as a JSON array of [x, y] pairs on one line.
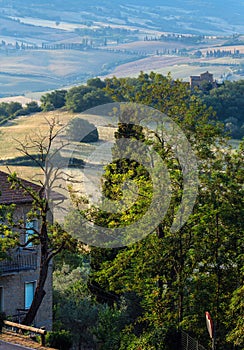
[[9, 195]]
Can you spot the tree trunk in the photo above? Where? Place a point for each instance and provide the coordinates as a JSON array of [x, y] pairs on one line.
[[38, 296], [160, 231], [44, 263]]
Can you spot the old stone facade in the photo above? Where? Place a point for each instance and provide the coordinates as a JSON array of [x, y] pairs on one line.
[[198, 80], [13, 287], [18, 275]]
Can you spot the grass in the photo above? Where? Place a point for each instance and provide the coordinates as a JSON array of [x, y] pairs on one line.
[[25, 128]]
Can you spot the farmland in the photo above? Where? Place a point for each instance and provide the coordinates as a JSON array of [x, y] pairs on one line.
[[36, 70], [163, 243], [27, 71], [180, 67], [20, 130], [44, 48]]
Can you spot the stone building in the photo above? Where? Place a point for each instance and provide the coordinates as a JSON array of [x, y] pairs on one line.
[[198, 80], [19, 273]]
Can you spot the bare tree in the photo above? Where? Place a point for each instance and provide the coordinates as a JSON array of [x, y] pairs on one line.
[[51, 238]]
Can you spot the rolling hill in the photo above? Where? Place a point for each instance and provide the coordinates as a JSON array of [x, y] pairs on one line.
[[45, 46]]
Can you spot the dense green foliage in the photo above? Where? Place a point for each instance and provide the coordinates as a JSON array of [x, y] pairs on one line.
[[32, 107], [236, 312], [11, 110], [141, 296], [53, 100], [8, 239], [81, 98], [61, 340], [8, 111], [228, 102]]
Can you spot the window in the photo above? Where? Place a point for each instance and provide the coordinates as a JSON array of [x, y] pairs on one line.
[[1, 300], [30, 227], [29, 293]]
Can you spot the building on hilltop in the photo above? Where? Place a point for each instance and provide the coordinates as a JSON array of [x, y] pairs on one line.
[[19, 273], [201, 80]]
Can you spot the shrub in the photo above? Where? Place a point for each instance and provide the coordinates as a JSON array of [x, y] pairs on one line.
[[96, 83], [53, 100], [81, 98], [32, 107], [61, 340]]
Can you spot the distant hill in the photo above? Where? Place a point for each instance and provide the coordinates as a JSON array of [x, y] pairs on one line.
[[208, 16], [48, 45]]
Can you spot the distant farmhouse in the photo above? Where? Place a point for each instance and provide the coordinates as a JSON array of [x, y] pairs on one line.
[[19, 273], [202, 79]]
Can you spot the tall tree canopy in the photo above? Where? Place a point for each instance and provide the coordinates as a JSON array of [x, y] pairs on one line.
[[228, 102], [175, 276]]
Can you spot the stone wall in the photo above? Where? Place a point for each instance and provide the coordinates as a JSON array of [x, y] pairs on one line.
[[13, 285]]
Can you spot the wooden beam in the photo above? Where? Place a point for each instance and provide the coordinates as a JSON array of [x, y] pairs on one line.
[[26, 328], [40, 331]]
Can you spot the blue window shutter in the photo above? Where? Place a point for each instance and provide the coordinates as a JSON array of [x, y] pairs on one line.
[[29, 293]]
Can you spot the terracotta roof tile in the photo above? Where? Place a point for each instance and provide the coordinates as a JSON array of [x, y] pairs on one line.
[[16, 196]]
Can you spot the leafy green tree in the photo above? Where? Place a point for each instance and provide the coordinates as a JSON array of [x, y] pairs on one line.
[[217, 244], [83, 97], [178, 276], [3, 109], [32, 107], [111, 321], [13, 107], [236, 310], [61, 340], [75, 311], [227, 101], [8, 239], [8, 109], [96, 83], [53, 100]]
